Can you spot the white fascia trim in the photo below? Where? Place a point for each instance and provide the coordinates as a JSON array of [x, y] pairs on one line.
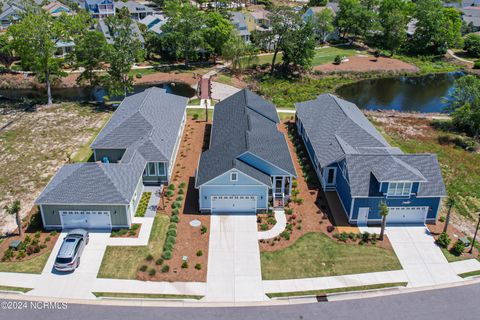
[[286, 173], [352, 205]]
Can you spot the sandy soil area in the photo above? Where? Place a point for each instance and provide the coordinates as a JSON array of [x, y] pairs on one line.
[[364, 63]]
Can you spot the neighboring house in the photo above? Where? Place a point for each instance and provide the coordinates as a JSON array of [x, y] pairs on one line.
[[248, 163], [238, 20], [9, 14], [56, 8], [64, 48], [471, 15], [107, 32], [137, 11], [257, 20], [352, 159], [137, 147], [100, 8], [310, 14], [154, 22]]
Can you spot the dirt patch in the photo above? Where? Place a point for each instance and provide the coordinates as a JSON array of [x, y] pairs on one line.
[[190, 240], [34, 144], [311, 213], [366, 63]]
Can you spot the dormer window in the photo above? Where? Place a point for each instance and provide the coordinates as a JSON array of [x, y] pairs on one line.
[[399, 189], [233, 176]]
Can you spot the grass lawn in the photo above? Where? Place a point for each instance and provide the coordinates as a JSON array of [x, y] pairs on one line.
[[18, 289], [199, 113], [122, 262], [336, 290], [429, 64], [460, 169], [284, 93], [470, 274], [451, 257], [34, 265], [316, 255], [146, 295]]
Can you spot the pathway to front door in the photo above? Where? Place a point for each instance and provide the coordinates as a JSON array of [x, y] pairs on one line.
[[234, 272]]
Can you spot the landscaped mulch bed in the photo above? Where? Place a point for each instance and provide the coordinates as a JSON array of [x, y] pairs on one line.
[[367, 63], [189, 240], [266, 221], [37, 240], [311, 213], [133, 232]]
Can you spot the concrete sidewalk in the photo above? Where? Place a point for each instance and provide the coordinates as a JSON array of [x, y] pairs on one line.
[[323, 283], [234, 272]]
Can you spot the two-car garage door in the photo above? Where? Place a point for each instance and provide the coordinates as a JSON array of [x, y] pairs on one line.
[[86, 219], [234, 204], [407, 214]]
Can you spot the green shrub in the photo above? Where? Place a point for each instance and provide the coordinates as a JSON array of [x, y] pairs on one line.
[[47, 239], [167, 255], [165, 268], [8, 255], [195, 116], [365, 236], [443, 240], [198, 266], [271, 221], [184, 265], [295, 192], [53, 233], [143, 268], [343, 237], [352, 236], [27, 239], [264, 227], [171, 239], [172, 226], [171, 186], [43, 246], [149, 257], [174, 219], [170, 194], [172, 232], [288, 211], [203, 230], [180, 191], [132, 232], [182, 185], [152, 272], [135, 226], [21, 254], [199, 253], [179, 198], [441, 219], [175, 211], [476, 64], [285, 235], [294, 183], [458, 248], [143, 204], [38, 234], [176, 204], [168, 246], [337, 60], [298, 201], [373, 236], [138, 75]]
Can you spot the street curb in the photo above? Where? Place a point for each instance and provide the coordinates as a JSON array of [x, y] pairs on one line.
[[202, 304]]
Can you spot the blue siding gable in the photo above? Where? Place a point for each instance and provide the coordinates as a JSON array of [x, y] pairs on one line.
[[262, 165], [224, 180], [342, 187]]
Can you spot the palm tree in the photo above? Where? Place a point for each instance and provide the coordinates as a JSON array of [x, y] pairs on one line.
[[14, 209], [384, 213], [450, 205]]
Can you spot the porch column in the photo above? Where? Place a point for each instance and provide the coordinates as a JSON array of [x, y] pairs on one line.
[[283, 185], [290, 186]]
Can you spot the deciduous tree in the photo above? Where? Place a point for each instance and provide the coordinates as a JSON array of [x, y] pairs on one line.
[[323, 23], [393, 19]]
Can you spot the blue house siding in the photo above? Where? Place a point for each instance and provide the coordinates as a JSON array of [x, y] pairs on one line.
[[222, 186], [261, 192], [262, 165], [343, 190], [373, 204]]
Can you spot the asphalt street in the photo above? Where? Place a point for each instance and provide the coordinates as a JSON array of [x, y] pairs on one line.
[[459, 303]]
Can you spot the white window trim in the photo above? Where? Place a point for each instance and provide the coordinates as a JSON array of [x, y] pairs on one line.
[[164, 169], [232, 174], [403, 192]]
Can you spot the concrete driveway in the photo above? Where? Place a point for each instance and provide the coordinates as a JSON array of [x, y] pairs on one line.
[[77, 284], [421, 259], [234, 272]]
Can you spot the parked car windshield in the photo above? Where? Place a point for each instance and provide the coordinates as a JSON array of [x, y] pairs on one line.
[[64, 260]]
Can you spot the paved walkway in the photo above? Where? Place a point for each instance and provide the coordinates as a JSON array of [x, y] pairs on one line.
[[450, 52], [221, 91], [421, 259], [234, 273], [277, 228], [323, 283]]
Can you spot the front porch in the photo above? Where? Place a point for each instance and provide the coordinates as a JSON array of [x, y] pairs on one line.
[[281, 190]]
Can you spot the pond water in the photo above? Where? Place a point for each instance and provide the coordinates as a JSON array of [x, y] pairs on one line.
[[429, 93], [91, 94]]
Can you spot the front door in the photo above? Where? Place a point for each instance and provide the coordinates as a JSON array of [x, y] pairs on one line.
[[363, 216]]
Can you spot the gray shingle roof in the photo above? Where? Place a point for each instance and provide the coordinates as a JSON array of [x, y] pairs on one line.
[[146, 125], [338, 130], [244, 122]]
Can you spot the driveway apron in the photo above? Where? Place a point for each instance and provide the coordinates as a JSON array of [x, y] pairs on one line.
[[234, 272]]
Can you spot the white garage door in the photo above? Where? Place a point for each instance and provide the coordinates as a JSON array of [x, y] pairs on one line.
[[86, 219], [407, 214], [234, 204]]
